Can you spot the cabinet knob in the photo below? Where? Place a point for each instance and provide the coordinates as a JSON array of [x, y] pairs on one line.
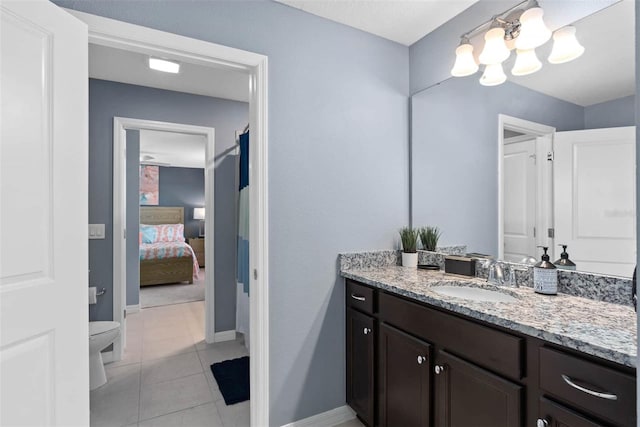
[[421, 359], [542, 423], [439, 369], [366, 331]]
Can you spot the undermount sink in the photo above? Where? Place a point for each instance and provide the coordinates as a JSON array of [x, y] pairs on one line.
[[474, 294]]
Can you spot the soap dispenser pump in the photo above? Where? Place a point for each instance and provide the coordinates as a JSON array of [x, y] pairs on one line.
[[545, 275], [564, 263]]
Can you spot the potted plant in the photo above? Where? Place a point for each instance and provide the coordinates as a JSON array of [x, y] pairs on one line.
[[429, 237], [409, 238]]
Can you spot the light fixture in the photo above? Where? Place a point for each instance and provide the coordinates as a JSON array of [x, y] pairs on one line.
[[493, 75], [164, 65], [533, 31], [465, 64], [526, 63], [565, 46], [198, 213], [519, 28]]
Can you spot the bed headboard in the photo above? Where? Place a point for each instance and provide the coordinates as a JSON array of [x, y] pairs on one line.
[[154, 215]]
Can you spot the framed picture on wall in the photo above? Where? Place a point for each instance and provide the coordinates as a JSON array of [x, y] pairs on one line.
[[149, 185]]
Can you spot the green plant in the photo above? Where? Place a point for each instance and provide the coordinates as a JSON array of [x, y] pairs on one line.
[[429, 237], [409, 238]]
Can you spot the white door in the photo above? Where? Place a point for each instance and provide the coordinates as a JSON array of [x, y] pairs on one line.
[[519, 200], [44, 369], [595, 198]]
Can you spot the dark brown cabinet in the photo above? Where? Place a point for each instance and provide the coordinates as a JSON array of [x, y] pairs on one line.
[[404, 379], [555, 415], [466, 395], [361, 364]]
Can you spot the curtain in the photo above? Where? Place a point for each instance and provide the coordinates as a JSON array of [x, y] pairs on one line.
[[242, 301]]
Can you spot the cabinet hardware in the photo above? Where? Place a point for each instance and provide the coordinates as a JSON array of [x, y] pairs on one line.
[[358, 297], [421, 359], [541, 422], [608, 396], [439, 369], [366, 331]]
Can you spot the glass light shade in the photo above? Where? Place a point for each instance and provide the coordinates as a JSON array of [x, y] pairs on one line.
[[526, 63], [198, 213], [493, 75], [465, 63], [565, 46], [495, 50], [533, 31]]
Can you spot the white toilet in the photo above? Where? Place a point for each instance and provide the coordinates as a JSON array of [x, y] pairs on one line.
[[101, 334]]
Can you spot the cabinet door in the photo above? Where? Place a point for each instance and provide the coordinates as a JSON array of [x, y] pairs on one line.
[[360, 364], [404, 376], [555, 415], [469, 396]]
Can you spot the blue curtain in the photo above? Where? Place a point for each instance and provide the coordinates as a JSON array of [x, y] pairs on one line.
[[243, 214]]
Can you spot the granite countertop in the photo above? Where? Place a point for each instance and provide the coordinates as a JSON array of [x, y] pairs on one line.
[[597, 328]]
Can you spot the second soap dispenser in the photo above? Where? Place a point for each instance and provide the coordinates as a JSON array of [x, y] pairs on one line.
[[564, 263], [545, 276]]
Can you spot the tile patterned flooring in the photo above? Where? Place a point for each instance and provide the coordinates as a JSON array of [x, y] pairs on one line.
[[164, 379]]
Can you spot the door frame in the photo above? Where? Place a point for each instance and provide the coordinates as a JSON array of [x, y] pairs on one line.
[[120, 126], [523, 126], [122, 35]]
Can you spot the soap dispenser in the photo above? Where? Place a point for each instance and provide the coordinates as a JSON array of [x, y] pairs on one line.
[[564, 263], [545, 275]]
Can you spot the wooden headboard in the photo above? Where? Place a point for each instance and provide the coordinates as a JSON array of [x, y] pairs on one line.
[[154, 215]]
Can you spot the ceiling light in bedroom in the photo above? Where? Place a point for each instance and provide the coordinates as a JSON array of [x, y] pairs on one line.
[[164, 65]]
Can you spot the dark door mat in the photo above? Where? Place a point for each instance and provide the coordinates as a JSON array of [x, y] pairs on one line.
[[232, 377]]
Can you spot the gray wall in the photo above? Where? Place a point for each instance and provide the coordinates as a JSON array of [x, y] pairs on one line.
[[133, 216], [338, 154], [109, 99], [619, 112], [185, 187], [455, 152]]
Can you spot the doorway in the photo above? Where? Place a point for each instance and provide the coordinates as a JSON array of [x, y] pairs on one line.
[[108, 32]]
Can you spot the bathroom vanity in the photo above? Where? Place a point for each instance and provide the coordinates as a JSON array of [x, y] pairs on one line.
[[416, 357]]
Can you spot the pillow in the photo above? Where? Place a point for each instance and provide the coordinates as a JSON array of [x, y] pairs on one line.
[[162, 233]]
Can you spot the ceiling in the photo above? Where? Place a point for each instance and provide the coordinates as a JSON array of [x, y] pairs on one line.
[[107, 63], [403, 21], [173, 149]]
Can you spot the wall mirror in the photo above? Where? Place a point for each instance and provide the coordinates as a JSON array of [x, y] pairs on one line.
[[544, 159]]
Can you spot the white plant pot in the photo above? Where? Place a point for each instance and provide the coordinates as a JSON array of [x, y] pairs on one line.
[[409, 260]]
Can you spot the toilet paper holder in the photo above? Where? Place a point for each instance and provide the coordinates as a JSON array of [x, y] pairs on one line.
[[102, 292]]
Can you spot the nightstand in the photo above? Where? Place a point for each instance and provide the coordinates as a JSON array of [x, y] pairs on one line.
[[197, 244]]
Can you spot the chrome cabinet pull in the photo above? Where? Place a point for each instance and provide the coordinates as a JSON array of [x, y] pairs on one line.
[[421, 359], [541, 422], [439, 369], [608, 396], [366, 331], [358, 297]]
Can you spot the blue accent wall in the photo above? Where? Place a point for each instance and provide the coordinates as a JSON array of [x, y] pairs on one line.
[[338, 153], [133, 216], [616, 113], [108, 100], [183, 187]]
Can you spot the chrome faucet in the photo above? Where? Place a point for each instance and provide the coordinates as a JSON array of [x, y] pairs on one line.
[[501, 274]]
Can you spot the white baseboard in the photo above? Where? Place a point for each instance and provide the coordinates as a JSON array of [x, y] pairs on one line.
[[133, 308], [224, 336], [107, 357], [326, 419]]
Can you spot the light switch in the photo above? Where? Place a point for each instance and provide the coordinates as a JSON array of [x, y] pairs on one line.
[[96, 231]]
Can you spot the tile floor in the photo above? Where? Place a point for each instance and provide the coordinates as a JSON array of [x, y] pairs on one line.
[[164, 378]]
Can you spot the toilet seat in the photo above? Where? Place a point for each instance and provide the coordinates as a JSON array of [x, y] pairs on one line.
[[97, 328]]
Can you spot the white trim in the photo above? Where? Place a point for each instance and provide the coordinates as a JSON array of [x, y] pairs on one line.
[[326, 419], [107, 357], [519, 125], [133, 308], [121, 35], [224, 336]]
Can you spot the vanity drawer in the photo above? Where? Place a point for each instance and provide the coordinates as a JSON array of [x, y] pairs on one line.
[[492, 349], [360, 297], [588, 386]]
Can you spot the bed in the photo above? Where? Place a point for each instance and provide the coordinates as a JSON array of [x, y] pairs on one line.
[[165, 262]]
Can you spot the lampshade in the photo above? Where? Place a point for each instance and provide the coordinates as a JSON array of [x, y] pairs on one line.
[[495, 50], [526, 63], [533, 31], [493, 75], [465, 64], [565, 46], [198, 213]]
